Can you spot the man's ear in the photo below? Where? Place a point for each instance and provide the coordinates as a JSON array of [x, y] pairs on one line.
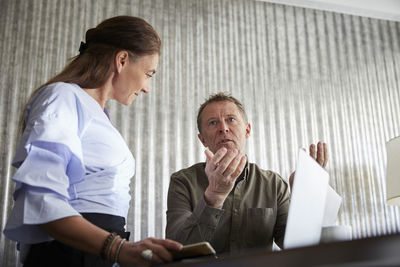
[[121, 60], [248, 130], [202, 140]]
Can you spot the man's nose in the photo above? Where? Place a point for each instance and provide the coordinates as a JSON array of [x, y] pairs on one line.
[[223, 128]]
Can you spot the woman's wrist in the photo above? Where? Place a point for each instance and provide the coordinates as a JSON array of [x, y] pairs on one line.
[[105, 248], [111, 247], [118, 250]]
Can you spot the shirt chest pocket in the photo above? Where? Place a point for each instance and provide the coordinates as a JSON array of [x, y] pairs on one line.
[[259, 225]]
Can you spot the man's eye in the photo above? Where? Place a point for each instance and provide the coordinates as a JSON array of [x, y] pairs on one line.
[[149, 75], [231, 119], [211, 123]]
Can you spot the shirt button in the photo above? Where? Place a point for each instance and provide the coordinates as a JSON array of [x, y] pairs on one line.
[[235, 211]]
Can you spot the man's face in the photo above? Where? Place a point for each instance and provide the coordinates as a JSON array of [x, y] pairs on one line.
[[222, 125]]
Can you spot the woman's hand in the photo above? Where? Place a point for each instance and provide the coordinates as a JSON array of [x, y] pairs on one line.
[[131, 252]]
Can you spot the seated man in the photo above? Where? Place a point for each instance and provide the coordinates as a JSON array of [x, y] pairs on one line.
[[227, 201]]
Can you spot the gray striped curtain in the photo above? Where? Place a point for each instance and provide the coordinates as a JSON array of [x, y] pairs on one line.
[[303, 76]]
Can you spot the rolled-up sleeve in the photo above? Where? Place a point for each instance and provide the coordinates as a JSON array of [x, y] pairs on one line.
[[41, 195]]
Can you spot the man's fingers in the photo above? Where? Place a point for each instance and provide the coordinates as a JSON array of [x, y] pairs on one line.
[[240, 167], [226, 161], [325, 155], [320, 153], [209, 155], [232, 167], [291, 179], [219, 155], [324, 152], [212, 161], [313, 153]]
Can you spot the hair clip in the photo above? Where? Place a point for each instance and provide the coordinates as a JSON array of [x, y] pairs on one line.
[[82, 47]]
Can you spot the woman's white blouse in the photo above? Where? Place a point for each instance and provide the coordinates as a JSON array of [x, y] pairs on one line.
[[70, 160]]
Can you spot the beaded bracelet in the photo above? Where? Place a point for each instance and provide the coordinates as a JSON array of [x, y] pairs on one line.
[[106, 242], [118, 249]]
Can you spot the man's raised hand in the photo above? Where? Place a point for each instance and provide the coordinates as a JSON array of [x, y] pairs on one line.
[[222, 170]]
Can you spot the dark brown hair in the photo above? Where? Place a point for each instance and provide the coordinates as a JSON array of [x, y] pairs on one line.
[[220, 97], [93, 66]]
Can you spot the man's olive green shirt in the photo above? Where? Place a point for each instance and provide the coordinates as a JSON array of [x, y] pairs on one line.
[[253, 215]]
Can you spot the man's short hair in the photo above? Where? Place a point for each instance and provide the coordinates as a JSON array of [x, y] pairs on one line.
[[220, 97]]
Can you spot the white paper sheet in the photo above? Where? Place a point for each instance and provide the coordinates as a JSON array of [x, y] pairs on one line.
[[332, 206], [307, 203]]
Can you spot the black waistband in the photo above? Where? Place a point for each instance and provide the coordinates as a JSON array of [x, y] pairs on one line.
[[110, 223]]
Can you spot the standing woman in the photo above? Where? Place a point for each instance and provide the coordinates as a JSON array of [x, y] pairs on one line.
[[74, 168]]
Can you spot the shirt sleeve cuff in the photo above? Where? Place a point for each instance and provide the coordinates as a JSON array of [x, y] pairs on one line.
[[32, 207], [207, 215]]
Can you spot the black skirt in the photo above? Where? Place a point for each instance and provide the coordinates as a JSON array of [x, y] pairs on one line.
[[55, 253]]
